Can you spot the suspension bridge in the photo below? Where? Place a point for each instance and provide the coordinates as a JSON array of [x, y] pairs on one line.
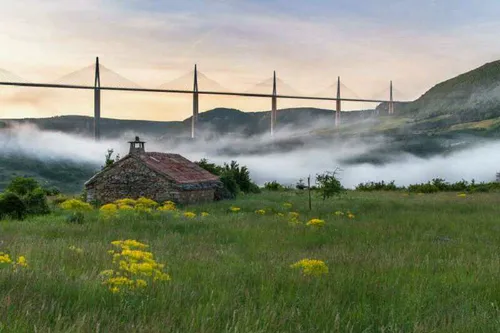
[[116, 82]]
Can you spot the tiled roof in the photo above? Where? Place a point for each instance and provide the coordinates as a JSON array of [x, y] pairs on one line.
[[177, 168]]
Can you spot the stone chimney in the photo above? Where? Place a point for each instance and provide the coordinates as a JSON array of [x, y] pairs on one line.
[[137, 146]]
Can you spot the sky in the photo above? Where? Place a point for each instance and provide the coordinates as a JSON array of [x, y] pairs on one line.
[[238, 43]]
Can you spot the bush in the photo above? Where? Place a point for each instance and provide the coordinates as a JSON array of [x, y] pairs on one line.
[[300, 185], [11, 205], [22, 185], [328, 184], [36, 202], [234, 179], [273, 186], [378, 186]]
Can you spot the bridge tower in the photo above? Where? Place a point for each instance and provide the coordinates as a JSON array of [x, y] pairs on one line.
[[274, 105], [339, 105], [97, 102], [391, 101], [194, 119]]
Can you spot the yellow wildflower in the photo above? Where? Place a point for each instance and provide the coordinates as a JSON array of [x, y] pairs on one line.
[[108, 211], [125, 208], [260, 212], [141, 283], [280, 214], [76, 205], [234, 209], [189, 215], [316, 223], [125, 202], [21, 261], [148, 203], [350, 215], [287, 205], [339, 213], [5, 258], [204, 214], [294, 215], [311, 267], [461, 195], [75, 249]]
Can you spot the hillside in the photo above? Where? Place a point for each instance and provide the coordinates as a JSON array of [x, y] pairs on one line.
[[467, 99]]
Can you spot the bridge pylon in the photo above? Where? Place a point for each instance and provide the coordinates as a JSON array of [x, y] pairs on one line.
[[97, 101], [391, 100], [274, 106], [194, 119], [339, 105]]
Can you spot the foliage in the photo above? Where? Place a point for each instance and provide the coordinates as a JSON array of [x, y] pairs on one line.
[[440, 185], [328, 184], [235, 179], [11, 205], [300, 185], [378, 186], [76, 205], [316, 223], [36, 202], [109, 160], [273, 186], [22, 185]]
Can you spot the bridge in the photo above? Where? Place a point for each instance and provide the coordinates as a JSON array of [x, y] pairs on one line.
[[125, 85]]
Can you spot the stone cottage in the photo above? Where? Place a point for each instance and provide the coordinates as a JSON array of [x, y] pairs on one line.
[[157, 176]]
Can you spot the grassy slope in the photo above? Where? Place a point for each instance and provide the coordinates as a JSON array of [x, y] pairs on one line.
[[404, 264]]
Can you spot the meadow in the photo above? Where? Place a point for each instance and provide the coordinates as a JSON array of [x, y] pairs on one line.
[[399, 263]]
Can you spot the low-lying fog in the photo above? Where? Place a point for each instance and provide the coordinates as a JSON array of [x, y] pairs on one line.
[[479, 162]]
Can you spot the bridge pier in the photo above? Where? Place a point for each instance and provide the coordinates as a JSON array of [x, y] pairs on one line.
[[391, 101], [339, 105], [274, 106], [194, 119], [97, 102]]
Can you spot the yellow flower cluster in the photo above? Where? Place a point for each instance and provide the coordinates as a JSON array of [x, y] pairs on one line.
[[294, 218], [287, 205], [125, 202], [167, 206], [260, 212], [76, 205], [75, 249], [6, 260], [348, 214], [204, 214], [132, 267], [317, 223], [189, 215], [108, 211], [311, 267], [234, 209], [462, 195]]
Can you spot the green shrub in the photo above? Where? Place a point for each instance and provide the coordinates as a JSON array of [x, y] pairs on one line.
[[378, 186], [36, 202], [328, 184], [22, 185], [11, 205], [273, 186]]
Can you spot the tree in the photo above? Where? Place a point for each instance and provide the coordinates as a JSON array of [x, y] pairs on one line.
[[328, 184], [11, 205], [22, 185], [109, 160]]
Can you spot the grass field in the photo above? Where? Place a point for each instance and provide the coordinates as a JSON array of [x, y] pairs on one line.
[[417, 263]]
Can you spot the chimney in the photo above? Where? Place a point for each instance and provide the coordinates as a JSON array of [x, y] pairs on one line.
[[137, 146]]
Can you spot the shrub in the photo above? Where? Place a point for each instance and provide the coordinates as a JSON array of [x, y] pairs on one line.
[[273, 186], [11, 205], [234, 178], [378, 186], [36, 202], [328, 184], [22, 185], [300, 185]]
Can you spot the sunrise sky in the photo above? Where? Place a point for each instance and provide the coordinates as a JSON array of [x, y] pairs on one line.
[[238, 44]]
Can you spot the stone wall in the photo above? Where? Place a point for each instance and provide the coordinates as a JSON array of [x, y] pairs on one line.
[[130, 178]]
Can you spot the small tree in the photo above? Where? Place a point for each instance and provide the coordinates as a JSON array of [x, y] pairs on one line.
[[11, 205], [328, 184], [109, 160], [22, 185]]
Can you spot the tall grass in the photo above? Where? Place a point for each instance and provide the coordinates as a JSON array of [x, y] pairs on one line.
[[405, 263]]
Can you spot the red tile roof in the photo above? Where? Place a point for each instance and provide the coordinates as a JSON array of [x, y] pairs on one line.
[[177, 168]]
